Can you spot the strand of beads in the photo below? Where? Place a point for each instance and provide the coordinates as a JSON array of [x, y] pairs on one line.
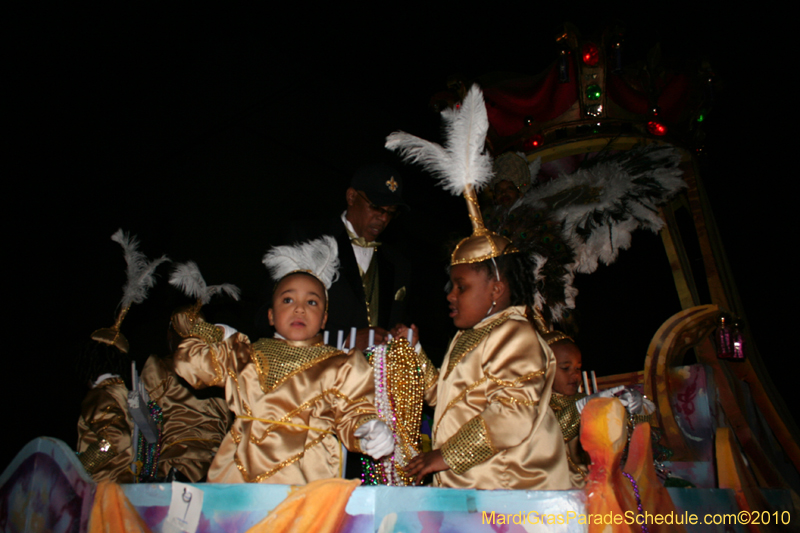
[[638, 499], [148, 454]]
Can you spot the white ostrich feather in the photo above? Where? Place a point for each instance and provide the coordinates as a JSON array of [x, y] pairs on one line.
[[463, 160], [141, 271], [601, 205], [189, 280], [319, 256]]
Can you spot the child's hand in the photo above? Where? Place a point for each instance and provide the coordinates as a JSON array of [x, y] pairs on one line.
[[424, 464], [375, 439], [362, 337], [608, 393], [401, 330]]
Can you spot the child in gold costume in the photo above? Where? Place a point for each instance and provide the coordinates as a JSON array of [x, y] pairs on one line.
[[493, 428], [565, 395], [193, 423], [105, 425], [292, 395], [568, 403]]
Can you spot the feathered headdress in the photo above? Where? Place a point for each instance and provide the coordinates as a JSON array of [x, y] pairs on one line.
[[602, 203], [462, 166], [318, 257], [573, 222], [187, 278], [141, 278]]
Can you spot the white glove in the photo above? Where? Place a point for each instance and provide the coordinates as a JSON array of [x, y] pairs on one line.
[[375, 439], [632, 400], [608, 393]]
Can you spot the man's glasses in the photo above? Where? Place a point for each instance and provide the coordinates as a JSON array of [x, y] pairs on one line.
[[390, 212]]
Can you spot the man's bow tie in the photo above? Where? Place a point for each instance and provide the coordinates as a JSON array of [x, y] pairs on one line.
[[362, 242]]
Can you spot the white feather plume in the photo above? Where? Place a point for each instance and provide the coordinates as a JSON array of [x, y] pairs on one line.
[[140, 271], [319, 256], [189, 280], [463, 160], [599, 206]]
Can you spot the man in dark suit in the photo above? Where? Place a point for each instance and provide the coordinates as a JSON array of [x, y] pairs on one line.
[[370, 292]]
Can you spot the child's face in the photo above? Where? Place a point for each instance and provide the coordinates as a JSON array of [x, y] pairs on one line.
[[471, 296], [298, 307], [568, 368]]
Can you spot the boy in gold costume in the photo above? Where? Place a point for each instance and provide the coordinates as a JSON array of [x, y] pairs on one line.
[[292, 395], [493, 428]]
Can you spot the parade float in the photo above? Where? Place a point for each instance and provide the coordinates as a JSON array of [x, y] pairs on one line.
[[730, 437]]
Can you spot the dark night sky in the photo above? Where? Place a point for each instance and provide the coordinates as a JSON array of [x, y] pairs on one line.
[[203, 133]]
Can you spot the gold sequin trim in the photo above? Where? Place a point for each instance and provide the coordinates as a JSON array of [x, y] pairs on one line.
[[100, 429], [511, 402], [283, 464], [111, 381], [467, 342], [455, 400], [96, 455], [516, 382], [430, 374], [303, 407], [574, 467], [218, 371], [277, 361], [568, 416], [207, 332], [469, 447]]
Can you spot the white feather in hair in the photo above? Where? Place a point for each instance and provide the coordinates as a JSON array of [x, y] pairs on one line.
[[319, 257], [141, 271], [189, 280], [463, 160]]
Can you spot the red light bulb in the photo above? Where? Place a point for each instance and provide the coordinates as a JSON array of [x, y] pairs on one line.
[[533, 142], [656, 128], [590, 54]]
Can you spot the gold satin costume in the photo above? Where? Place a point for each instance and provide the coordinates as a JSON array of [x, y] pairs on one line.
[[192, 427], [313, 390], [570, 421], [492, 422], [104, 432]]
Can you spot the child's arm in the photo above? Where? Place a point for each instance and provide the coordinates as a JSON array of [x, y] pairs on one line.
[[352, 394], [203, 357], [515, 370], [106, 430]]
